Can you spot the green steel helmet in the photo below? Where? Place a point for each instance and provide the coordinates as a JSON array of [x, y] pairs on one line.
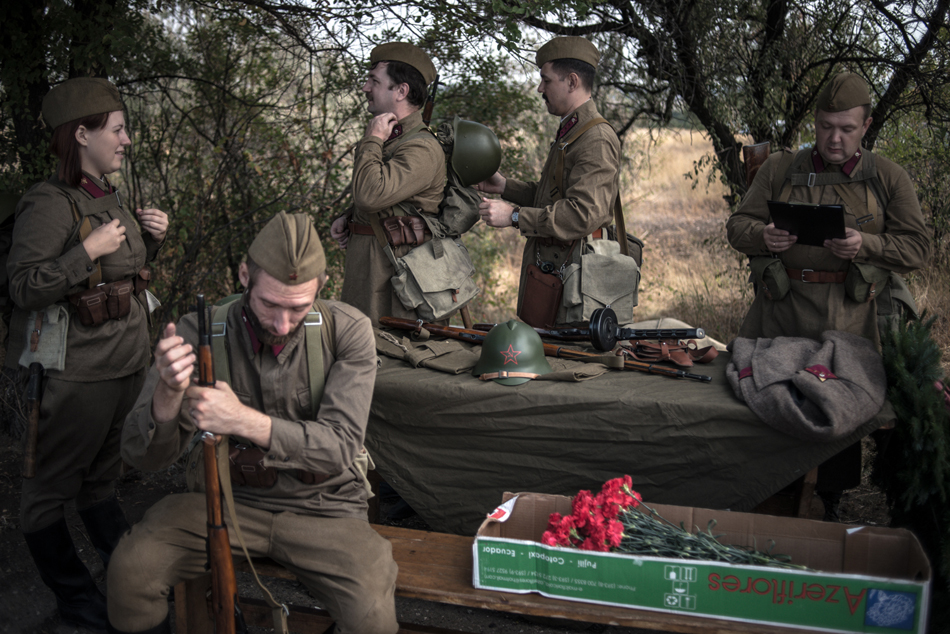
[[477, 152], [512, 354]]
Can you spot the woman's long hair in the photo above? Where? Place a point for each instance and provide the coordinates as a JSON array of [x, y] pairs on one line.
[[65, 146]]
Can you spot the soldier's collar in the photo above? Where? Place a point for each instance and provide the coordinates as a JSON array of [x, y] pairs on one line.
[[819, 164]]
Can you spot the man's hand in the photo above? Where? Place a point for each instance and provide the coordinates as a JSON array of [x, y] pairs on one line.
[[175, 361], [340, 232], [104, 239], [495, 184], [218, 410], [382, 126], [777, 240], [495, 213], [155, 221], [848, 246]]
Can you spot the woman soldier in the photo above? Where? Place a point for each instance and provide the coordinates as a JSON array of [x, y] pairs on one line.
[[78, 251]]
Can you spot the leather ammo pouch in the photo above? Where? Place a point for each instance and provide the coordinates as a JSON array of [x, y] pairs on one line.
[[865, 281], [247, 467], [542, 297], [101, 303], [770, 275], [402, 230]]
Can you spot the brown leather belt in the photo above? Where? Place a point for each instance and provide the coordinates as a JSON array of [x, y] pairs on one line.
[[360, 230], [817, 277], [554, 242]]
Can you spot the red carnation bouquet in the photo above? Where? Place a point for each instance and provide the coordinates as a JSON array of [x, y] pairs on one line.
[[616, 519]]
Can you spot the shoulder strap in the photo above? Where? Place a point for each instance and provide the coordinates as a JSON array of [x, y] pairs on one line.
[[781, 185]]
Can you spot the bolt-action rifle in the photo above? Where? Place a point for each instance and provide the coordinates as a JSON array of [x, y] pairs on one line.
[[550, 350], [227, 612], [34, 391]]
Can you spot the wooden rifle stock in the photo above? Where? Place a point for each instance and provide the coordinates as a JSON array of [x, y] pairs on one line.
[[754, 156], [550, 350], [33, 390], [223, 581], [430, 102]]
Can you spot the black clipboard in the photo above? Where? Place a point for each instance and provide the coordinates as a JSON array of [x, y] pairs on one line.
[[813, 224]]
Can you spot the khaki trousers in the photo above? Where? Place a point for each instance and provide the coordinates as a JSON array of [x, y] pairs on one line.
[[77, 448], [344, 563]]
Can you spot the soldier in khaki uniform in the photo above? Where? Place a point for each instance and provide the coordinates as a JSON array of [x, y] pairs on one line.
[[884, 229], [559, 224], [312, 517], [398, 163], [52, 266]]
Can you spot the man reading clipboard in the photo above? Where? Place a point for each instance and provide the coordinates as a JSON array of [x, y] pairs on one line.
[[812, 224]]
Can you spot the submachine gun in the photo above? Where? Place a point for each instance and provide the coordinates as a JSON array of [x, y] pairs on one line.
[[228, 618], [603, 331]]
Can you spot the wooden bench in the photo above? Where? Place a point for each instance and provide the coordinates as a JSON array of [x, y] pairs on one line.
[[438, 567]]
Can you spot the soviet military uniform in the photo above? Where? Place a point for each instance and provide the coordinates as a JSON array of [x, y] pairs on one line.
[[410, 171], [318, 531], [591, 185], [83, 405], [895, 239]]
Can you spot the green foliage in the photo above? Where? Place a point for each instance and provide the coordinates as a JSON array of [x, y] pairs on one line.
[[913, 469]]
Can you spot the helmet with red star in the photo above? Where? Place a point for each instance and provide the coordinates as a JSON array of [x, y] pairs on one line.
[[512, 354]]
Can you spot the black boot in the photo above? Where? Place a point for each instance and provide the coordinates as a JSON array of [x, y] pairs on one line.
[[79, 600], [162, 628], [105, 523]]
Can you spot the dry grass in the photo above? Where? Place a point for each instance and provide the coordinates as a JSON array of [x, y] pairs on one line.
[[689, 270]]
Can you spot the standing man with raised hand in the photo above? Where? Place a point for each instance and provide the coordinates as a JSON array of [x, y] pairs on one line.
[[569, 209], [851, 284], [399, 167], [304, 504]]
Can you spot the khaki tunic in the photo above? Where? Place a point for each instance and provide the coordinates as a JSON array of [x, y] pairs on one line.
[[280, 388], [591, 185], [900, 243], [414, 174], [83, 405], [44, 269]]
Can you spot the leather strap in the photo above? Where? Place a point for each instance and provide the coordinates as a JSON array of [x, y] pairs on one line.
[[508, 375], [360, 229], [682, 354], [817, 277]]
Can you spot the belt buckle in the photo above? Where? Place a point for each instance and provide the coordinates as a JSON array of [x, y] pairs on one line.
[[804, 281]]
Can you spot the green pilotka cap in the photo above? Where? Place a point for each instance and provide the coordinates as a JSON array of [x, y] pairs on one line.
[[572, 47], [407, 54], [844, 92], [79, 97], [289, 250]]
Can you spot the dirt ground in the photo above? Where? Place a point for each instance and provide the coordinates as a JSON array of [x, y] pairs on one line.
[[28, 607]]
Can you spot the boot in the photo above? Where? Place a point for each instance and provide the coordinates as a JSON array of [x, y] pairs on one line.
[[162, 628], [105, 523], [77, 597]]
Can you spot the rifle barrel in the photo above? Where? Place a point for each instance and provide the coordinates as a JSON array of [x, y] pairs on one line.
[[550, 350], [33, 392]]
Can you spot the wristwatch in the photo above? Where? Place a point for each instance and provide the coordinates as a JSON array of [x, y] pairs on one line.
[[514, 217]]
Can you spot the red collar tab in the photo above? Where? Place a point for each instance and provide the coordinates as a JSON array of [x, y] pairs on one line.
[[396, 133], [255, 342], [821, 372], [847, 168], [93, 188], [570, 123], [745, 373]]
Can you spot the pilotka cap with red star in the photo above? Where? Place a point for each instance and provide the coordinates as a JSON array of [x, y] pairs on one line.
[[289, 250], [844, 92], [407, 54], [79, 97]]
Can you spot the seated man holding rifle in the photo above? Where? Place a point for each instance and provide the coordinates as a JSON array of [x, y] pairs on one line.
[[848, 284], [303, 503]]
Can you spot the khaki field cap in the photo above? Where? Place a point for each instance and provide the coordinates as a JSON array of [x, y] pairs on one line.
[[568, 48], [77, 98], [289, 249], [407, 54], [845, 91]]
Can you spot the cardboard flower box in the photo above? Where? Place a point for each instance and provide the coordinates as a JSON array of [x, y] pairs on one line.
[[864, 579]]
